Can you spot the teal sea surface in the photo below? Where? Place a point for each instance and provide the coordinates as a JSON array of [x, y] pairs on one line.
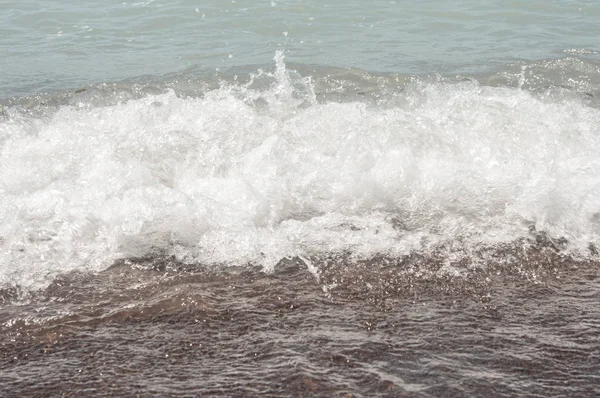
[[60, 44]]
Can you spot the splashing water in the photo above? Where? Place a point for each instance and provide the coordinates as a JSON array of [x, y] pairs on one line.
[[259, 171]]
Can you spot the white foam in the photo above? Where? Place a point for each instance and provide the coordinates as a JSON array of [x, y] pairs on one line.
[[244, 175]]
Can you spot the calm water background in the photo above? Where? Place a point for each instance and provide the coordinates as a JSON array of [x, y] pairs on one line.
[[60, 44]]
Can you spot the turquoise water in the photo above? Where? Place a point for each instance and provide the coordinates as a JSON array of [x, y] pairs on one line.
[[60, 44]]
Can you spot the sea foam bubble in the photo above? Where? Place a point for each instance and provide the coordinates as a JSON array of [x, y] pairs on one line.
[[243, 175]]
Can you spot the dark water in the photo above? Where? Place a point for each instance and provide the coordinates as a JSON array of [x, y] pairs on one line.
[[384, 327]]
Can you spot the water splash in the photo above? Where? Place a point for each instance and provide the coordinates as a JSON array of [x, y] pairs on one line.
[[260, 171]]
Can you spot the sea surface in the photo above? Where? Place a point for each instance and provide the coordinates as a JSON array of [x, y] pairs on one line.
[[300, 198]]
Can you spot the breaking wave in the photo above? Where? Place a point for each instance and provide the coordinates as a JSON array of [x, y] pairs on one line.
[[270, 168]]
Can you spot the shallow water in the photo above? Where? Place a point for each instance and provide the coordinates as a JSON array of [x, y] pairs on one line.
[[290, 198], [156, 327]]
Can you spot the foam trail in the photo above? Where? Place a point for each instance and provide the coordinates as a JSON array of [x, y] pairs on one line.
[[253, 175]]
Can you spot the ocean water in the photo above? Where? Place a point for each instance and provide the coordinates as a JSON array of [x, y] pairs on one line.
[[58, 45], [300, 198]]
